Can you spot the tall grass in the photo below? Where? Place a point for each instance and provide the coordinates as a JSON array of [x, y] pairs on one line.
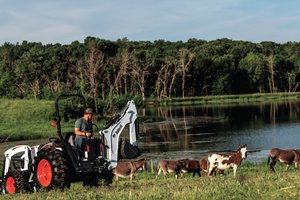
[[253, 181]]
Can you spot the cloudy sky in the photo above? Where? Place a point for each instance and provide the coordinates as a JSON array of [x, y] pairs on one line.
[[64, 21]]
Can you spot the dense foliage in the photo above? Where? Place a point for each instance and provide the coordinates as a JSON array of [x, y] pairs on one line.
[[103, 69]]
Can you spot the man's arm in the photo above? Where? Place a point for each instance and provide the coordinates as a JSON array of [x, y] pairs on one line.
[[78, 132]]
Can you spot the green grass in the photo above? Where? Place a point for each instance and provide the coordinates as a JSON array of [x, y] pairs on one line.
[[25, 119], [253, 181], [29, 119]]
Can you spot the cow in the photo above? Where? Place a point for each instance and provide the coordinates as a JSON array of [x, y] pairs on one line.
[[286, 156], [128, 169], [225, 161], [171, 166]]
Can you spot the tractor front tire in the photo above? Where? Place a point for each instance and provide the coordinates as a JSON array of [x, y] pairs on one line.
[[15, 182], [51, 169], [106, 177], [90, 179]]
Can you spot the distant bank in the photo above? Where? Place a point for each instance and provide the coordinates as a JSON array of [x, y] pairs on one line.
[[226, 99]]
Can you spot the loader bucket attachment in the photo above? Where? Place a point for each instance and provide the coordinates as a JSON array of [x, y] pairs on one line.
[[127, 150]]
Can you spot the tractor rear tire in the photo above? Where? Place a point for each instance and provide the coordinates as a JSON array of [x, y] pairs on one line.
[[15, 182], [51, 169]]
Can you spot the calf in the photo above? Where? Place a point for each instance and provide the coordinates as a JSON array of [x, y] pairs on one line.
[[193, 167], [171, 166], [126, 169]]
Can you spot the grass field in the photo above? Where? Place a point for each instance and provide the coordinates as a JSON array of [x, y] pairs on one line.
[[253, 181], [29, 119], [25, 119]]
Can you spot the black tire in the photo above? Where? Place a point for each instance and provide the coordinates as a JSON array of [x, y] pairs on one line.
[[90, 179], [50, 170], [106, 177], [15, 181]]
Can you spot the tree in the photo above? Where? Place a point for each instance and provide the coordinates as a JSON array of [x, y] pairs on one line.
[[271, 66], [125, 61], [7, 80], [142, 61], [185, 58], [254, 64], [30, 71], [174, 74], [163, 78], [96, 61]]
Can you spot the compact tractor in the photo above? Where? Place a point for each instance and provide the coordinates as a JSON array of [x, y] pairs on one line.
[[58, 163]]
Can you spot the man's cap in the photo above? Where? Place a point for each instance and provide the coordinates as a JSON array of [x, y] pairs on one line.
[[89, 111]]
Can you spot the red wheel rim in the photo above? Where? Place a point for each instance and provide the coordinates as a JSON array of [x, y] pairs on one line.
[[10, 185], [44, 173]]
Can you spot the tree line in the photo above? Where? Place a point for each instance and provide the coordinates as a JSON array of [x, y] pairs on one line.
[[104, 69]]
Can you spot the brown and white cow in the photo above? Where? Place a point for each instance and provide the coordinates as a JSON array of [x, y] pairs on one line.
[[226, 161], [128, 169], [287, 156], [171, 166]]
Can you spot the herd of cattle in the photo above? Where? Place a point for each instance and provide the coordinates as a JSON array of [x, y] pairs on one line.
[[210, 165]]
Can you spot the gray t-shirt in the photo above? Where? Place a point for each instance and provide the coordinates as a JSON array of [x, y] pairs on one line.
[[84, 125]]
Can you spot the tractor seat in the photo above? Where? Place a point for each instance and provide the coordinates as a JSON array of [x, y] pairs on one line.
[[70, 137]]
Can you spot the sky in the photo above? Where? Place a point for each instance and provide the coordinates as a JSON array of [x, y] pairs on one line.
[[66, 21]]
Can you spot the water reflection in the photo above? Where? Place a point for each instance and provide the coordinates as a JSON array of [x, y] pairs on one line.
[[196, 131]]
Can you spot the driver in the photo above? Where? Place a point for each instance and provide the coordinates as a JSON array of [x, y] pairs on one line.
[[84, 127]]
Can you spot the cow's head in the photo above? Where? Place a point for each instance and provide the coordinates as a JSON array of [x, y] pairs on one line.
[[184, 163], [243, 150], [141, 164]]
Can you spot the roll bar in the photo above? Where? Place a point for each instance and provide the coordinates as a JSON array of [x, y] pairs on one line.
[[57, 114]]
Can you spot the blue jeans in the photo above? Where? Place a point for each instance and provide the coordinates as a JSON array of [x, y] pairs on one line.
[[79, 141]]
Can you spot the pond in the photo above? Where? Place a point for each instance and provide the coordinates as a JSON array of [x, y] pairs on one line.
[[195, 131]]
